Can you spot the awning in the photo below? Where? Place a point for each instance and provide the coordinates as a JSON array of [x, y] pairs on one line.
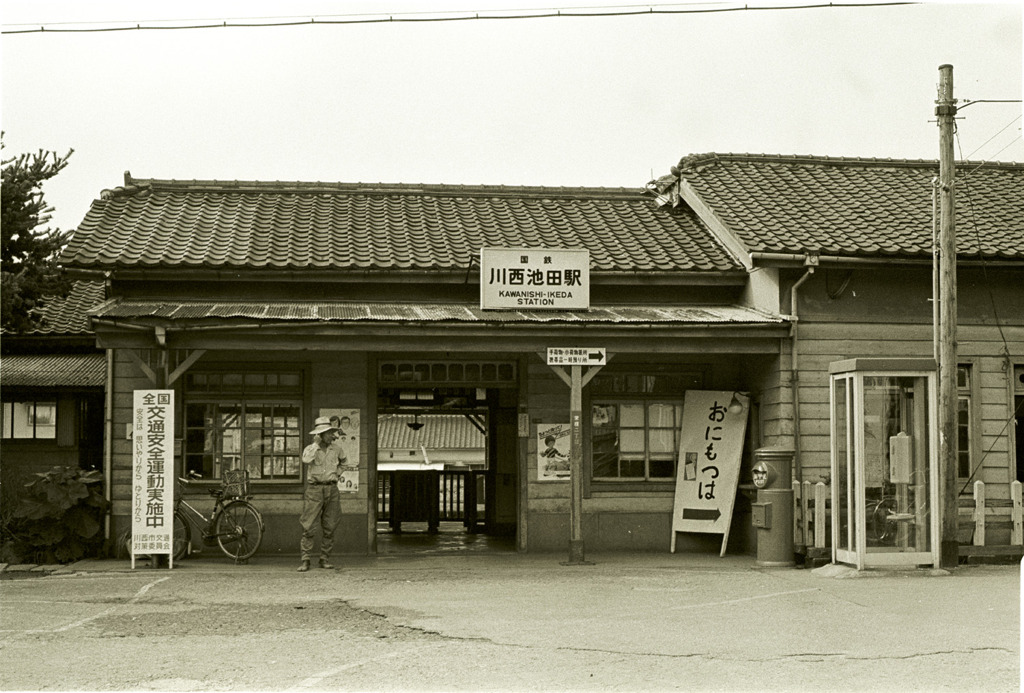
[[208, 312], [53, 370]]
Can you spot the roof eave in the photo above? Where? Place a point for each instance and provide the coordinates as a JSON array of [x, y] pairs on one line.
[[807, 258], [733, 277]]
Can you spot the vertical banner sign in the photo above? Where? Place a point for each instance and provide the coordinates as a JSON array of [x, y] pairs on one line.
[[152, 472], [708, 469]]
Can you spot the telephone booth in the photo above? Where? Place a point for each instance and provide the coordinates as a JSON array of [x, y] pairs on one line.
[[885, 505]]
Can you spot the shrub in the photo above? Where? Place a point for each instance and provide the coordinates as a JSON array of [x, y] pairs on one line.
[[59, 518]]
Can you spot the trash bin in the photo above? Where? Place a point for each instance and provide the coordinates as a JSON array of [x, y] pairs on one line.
[[772, 513]]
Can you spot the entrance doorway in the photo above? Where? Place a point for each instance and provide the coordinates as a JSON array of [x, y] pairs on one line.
[[446, 460]]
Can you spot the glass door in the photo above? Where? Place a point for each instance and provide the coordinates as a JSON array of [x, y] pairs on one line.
[[844, 540], [897, 452]]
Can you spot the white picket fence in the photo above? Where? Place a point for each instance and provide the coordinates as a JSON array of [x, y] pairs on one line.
[[812, 509]]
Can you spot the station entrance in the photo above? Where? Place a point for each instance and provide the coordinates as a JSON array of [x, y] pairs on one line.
[[446, 469]]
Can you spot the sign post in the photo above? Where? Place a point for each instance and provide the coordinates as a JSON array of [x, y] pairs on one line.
[[576, 379], [708, 469], [153, 474]]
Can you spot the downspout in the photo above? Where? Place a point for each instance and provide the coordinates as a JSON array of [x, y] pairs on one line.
[[935, 270], [794, 365], [108, 442]]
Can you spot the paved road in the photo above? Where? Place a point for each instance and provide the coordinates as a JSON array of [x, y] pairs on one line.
[[508, 623]]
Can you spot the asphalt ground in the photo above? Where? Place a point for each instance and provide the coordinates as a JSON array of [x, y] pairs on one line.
[[508, 622]]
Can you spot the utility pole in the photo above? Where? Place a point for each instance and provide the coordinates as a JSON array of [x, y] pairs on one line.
[[945, 110]]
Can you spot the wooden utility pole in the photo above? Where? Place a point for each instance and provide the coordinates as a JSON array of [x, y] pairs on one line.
[[945, 110]]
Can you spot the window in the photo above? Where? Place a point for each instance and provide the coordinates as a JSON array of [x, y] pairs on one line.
[[963, 421], [499, 373], [635, 441], [635, 422], [244, 420], [29, 420]]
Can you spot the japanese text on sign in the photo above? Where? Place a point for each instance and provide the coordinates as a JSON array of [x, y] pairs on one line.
[[711, 443], [153, 471], [577, 356], [534, 278]]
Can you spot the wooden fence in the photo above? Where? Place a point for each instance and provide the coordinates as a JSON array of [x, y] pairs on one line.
[[978, 515], [983, 515], [812, 510]]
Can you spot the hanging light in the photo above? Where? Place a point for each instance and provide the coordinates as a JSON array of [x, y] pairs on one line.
[[736, 405], [415, 424]]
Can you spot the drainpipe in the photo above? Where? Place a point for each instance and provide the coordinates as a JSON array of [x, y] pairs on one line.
[[108, 442], [810, 261], [935, 270]]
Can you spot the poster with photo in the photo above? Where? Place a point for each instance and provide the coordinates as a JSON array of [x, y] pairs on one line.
[[348, 422], [553, 447]]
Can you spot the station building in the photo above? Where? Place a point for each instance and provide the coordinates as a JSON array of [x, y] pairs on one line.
[[264, 305]]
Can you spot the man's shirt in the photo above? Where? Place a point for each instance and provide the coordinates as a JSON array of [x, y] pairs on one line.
[[323, 462]]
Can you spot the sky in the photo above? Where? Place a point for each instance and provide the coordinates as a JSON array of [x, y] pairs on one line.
[[558, 101]]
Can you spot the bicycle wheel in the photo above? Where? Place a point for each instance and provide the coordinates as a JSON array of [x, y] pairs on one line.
[[182, 535], [239, 530], [882, 526]]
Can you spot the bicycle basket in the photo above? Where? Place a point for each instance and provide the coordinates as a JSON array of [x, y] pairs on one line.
[[236, 483]]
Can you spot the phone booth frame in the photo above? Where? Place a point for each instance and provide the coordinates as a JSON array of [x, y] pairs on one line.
[[884, 455]]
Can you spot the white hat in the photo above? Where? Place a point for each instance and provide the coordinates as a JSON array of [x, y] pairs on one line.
[[322, 424]]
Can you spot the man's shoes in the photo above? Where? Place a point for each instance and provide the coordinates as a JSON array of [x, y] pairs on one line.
[[326, 565], [304, 566]]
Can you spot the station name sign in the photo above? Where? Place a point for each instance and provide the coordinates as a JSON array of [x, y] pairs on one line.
[[534, 278]]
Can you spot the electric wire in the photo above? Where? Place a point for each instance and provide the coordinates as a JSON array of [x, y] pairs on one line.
[[56, 27], [995, 310], [990, 139]]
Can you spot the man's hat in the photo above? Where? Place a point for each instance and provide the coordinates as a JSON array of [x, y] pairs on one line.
[[322, 424]]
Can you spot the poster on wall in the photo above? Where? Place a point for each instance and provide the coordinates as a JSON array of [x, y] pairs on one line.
[[553, 448], [152, 473], [707, 471], [347, 422]]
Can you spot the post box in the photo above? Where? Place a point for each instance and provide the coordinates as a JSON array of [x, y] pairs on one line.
[[772, 514]]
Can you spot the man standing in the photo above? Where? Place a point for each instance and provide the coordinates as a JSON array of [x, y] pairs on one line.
[[321, 500]]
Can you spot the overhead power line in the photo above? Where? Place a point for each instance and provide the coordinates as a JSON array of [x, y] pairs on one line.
[[411, 17]]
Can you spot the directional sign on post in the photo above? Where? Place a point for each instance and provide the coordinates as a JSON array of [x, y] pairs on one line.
[[577, 356]]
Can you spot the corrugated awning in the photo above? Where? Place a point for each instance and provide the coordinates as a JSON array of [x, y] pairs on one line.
[[53, 370], [217, 312]]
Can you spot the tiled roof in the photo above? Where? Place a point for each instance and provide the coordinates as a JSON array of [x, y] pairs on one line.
[[67, 316], [288, 226], [53, 370], [449, 431], [854, 207], [426, 312]]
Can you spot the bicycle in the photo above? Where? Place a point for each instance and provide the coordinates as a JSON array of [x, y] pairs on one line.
[[891, 513], [235, 525]]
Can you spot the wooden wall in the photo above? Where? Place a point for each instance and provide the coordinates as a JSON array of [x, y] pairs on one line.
[[888, 314], [334, 380]]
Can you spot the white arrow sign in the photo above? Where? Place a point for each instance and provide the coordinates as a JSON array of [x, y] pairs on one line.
[[577, 356]]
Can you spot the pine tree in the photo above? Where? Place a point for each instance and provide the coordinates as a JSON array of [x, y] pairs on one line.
[[28, 262]]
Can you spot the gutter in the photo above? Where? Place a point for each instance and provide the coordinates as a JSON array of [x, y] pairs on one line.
[[759, 257]]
